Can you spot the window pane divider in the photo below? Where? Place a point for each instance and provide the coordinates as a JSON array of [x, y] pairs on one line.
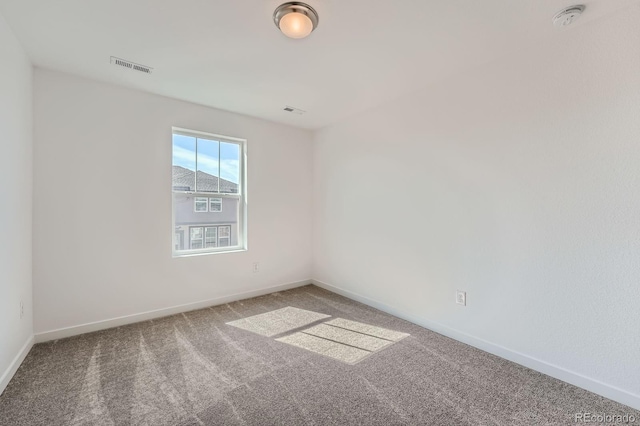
[[195, 174], [209, 194]]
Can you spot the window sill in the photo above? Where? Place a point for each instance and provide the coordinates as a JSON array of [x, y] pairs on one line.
[[204, 253]]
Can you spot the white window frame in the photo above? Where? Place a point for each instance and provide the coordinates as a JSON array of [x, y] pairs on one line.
[[241, 198], [216, 202], [197, 200]]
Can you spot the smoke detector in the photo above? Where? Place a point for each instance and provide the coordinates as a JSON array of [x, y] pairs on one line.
[[294, 110], [567, 16]]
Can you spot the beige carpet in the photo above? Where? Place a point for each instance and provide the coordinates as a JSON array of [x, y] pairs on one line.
[[195, 369]]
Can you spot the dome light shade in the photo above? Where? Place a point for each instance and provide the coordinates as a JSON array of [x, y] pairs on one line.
[[296, 25], [295, 19]]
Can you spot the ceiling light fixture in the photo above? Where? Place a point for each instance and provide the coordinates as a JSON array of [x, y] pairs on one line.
[[295, 19]]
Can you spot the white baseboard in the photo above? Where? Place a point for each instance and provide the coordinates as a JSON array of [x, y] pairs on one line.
[[619, 395], [61, 333], [15, 364]]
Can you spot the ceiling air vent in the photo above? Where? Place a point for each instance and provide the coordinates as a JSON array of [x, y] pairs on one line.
[[294, 110], [131, 65]]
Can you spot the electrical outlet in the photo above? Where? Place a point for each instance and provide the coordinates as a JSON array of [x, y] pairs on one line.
[[461, 297], [21, 309], [256, 267]]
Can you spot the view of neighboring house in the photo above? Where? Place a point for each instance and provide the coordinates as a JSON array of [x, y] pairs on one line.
[[202, 218]]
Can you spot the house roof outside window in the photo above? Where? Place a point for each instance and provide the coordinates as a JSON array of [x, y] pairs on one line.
[[183, 180]]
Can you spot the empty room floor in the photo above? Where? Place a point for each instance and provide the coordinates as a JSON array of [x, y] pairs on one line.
[[196, 369]]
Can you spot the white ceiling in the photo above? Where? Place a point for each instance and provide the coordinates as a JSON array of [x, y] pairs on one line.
[[228, 54]]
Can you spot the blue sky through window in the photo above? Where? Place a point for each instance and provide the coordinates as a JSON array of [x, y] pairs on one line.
[[184, 155]]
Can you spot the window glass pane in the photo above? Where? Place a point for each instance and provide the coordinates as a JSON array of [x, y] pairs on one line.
[[204, 170], [225, 231], [196, 238], [224, 236], [201, 229], [184, 163], [200, 204], [179, 243], [215, 204], [229, 167], [211, 237], [208, 165]]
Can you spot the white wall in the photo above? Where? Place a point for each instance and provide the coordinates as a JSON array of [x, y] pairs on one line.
[[102, 204], [16, 186], [518, 182]]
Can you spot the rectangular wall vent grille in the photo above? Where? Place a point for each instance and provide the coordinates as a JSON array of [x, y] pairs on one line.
[[131, 65]]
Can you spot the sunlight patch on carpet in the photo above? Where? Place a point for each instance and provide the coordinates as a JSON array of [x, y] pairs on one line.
[[279, 321], [344, 340], [325, 347], [341, 339], [348, 337], [367, 329]]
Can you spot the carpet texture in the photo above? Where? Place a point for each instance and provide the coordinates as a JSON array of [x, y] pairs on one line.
[[194, 369]]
